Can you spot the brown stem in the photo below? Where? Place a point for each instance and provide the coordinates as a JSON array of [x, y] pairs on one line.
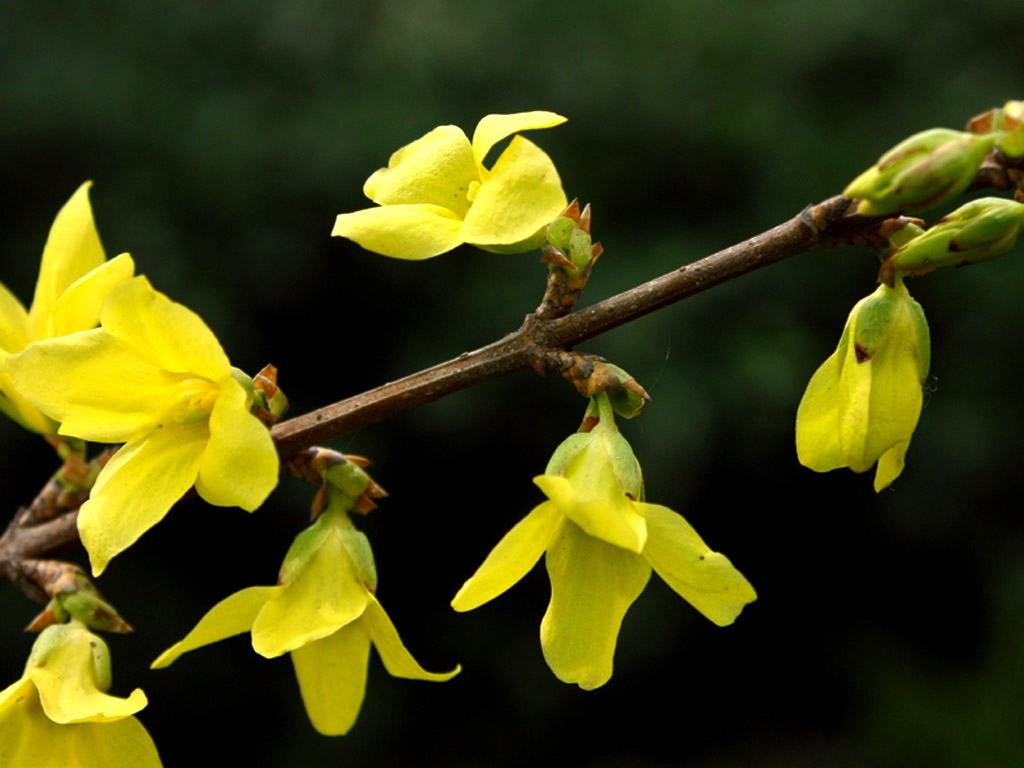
[[818, 226]]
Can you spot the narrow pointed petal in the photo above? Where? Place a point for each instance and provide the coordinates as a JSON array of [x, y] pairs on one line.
[[14, 333], [521, 195], [397, 659], [592, 586], [136, 488], [232, 616], [78, 308], [72, 249], [94, 384], [170, 334], [817, 419], [322, 599], [611, 517], [332, 678], [512, 558], [493, 128], [239, 467], [704, 578], [890, 465], [411, 232], [435, 169]]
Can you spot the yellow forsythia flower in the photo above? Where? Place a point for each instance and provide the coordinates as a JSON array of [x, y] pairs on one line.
[[74, 278], [862, 405], [58, 714], [324, 613], [436, 193], [601, 541], [154, 377]]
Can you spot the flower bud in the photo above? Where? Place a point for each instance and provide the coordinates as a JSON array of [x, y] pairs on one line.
[[922, 171], [978, 231]]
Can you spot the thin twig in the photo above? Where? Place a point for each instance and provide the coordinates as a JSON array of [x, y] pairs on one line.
[[818, 226]]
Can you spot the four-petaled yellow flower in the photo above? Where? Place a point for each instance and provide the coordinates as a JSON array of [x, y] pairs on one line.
[[436, 193], [601, 541], [324, 613], [154, 377], [58, 714], [862, 405], [74, 278]]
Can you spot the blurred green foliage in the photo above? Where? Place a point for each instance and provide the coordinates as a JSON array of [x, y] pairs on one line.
[[224, 137]]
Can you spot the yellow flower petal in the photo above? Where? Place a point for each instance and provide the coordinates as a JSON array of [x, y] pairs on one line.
[[611, 516], [15, 406], [890, 465], [817, 419], [325, 596], [883, 402], [493, 128], [397, 659], [512, 558], [332, 678], [592, 586], [239, 467], [136, 489], [78, 308], [435, 169], [14, 333], [521, 195], [29, 738], [231, 616], [411, 232], [704, 578], [72, 250], [170, 334], [67, 684], [94, 384]]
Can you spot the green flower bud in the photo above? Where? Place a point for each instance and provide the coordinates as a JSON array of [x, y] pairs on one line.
[[978, 231], [922, 171]]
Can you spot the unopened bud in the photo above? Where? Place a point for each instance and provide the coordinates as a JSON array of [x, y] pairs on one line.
[[978, 231], [922, 171]]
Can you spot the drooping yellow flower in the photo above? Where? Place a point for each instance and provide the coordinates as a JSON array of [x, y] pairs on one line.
[[601, 541], [154, 377], [324, 613], [74, 278], [59, 714], [436, 193], [862, 405]]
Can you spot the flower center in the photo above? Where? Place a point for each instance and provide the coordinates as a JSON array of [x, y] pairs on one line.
[[194, 402], [474, 187]]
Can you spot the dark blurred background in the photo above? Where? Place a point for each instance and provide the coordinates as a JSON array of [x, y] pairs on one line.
[[224, 137]]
